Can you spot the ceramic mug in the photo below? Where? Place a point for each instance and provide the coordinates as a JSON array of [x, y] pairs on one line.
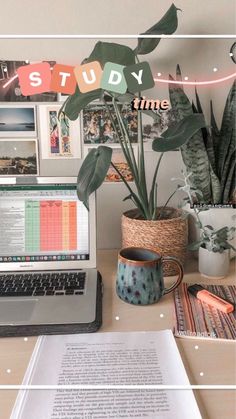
[[140, 275]]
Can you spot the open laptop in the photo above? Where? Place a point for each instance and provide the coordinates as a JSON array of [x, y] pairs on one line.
[[48, 277]]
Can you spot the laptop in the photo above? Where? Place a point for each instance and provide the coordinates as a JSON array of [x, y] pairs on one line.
[[48, 277]]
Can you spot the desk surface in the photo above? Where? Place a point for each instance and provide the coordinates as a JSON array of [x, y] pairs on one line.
[[216, 360]]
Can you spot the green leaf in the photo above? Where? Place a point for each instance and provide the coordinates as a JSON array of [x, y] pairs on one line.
[[209, 227], [166, 26], [228, 178], [111, 52], [194, 246], [194, 107], [127, 197], [199, 108], [193, 152], [179, 134], [227, 142], [78, 101], [93, 171]]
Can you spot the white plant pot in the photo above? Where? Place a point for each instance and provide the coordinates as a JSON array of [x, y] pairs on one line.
[[216, 217], [213, 264]]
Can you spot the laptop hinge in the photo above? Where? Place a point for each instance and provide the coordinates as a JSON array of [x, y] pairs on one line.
[[27, 180]]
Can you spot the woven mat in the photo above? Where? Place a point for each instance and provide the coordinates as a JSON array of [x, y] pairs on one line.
[[196, 319]]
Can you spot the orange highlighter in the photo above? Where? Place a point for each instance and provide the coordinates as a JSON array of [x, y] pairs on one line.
[[213, 300]]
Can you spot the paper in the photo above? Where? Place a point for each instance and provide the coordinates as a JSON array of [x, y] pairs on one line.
[[135, 358]]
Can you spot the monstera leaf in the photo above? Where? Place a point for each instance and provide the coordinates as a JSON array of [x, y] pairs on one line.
[[78, 101], [166, 26], [104, 52], [93, 172]]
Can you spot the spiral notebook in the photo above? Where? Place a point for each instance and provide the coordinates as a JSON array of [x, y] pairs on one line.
[[195, 319]]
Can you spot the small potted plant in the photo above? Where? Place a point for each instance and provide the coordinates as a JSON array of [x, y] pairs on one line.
[[148, 225], [214, 248], [213, 245]]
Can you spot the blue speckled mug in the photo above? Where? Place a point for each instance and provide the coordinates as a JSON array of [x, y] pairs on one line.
[[140, 276]]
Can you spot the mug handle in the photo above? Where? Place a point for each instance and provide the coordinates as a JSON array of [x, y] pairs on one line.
[[181, 273]]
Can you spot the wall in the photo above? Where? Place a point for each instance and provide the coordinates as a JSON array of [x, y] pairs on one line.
[[196, 58]]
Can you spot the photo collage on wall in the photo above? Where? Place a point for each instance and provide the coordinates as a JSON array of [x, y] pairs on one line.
[[98, 128], [32, 128]]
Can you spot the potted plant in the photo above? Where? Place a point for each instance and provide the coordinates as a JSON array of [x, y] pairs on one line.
[[214, 250], [148, 225], [213, 245], [214, 151]]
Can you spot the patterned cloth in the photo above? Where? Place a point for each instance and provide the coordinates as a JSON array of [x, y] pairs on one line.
[[196, 319]]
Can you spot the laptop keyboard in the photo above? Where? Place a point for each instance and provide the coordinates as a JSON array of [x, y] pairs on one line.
[[39, 284]]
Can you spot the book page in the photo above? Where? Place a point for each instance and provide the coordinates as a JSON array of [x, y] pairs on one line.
[[135, 358]]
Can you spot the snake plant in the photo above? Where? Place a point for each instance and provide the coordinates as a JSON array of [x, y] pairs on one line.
[[210, 155], [96, 164]]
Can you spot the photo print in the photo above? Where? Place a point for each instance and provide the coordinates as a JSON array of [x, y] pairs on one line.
[[98, 127], [9, 84], [17, 121], [59, 137], [18, 157], [152, 129], [118, 159]]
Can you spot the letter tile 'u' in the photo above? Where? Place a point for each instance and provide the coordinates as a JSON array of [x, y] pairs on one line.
[[88, 76]]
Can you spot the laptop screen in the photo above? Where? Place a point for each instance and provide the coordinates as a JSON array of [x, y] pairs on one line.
[[42, 223]]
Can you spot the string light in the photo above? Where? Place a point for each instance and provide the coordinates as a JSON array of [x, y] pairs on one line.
[[197, 83], [191, 83], [10, 81]]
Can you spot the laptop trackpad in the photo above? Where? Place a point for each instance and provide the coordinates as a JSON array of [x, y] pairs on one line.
[[16, 311]]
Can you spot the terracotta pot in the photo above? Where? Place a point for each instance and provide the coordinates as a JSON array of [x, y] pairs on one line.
[[168, 236]]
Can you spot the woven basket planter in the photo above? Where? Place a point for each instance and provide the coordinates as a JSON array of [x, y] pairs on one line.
[[167, 236]]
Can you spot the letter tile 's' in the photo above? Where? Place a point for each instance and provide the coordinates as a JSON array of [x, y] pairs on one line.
[[34, 78]]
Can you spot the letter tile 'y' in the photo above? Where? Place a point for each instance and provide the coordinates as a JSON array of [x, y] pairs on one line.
[[139, 77]]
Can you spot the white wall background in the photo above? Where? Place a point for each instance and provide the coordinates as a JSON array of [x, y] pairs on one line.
[[196, 58]]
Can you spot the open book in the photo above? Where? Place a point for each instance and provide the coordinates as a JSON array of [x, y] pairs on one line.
[[100, 361]]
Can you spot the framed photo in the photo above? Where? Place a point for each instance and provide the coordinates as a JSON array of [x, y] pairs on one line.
[[152, 129], [17, 121], [98, 127], [118, 159], [18, 157], [59, 137], [9, 84]]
